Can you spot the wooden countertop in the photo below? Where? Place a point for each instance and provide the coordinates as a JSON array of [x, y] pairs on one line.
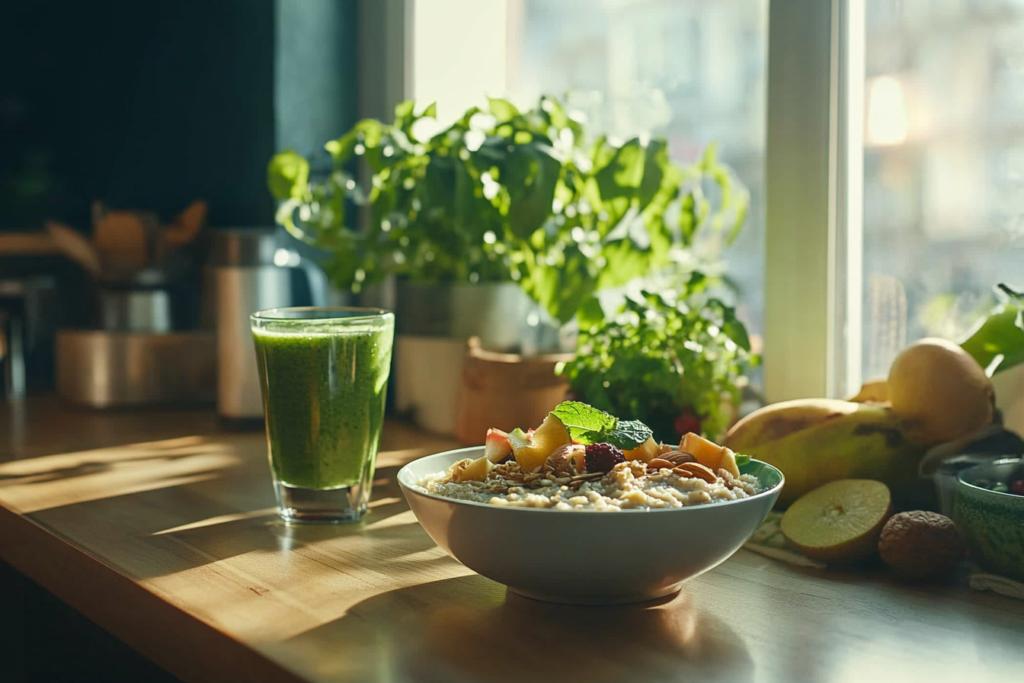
[[162, 530]]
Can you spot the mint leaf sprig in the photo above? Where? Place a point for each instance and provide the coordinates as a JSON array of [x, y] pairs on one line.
[[588, 425]]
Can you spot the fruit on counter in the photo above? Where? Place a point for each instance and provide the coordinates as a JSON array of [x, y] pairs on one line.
[[497, 447], [840, 521], [645, 452], [602, 457], [779, 420], [935, 392], [940, 391], [867, 443], [872, 391], [921, 545], [531, 451], [476, 470], [710, 454]]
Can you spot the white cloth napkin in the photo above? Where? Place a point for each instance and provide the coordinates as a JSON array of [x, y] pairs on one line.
[[769, 541], [983, 581]]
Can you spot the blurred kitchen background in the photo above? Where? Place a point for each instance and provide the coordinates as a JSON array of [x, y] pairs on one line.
[[149, 107]]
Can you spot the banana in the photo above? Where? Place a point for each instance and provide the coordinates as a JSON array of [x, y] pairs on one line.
[[779, 420], [866, 443]]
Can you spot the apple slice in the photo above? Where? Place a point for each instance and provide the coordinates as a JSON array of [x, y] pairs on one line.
[[728, 462], [497, 447], [645, 452], [708, 453], [531, 452], [477, 470]]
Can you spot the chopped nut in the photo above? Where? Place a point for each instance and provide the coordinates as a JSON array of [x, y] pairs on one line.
[[695, 470], [660, 464], [726, 475], [561, 463], [679, 457]]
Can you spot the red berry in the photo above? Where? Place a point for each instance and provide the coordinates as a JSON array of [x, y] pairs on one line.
[[687, 422], [603, 457], [1017, 487]]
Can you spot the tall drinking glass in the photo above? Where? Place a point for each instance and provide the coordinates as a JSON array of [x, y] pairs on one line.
[[324, 375]]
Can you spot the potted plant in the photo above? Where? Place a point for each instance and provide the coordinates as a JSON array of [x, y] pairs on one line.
[[500, 199], [674, 361]]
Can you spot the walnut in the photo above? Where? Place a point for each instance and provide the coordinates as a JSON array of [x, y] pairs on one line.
[[921, 545]]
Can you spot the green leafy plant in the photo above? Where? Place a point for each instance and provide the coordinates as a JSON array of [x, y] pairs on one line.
[[500, 195], [673, 363], [997, 341]]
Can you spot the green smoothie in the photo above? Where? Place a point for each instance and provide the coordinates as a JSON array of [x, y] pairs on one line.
[[324, 386]]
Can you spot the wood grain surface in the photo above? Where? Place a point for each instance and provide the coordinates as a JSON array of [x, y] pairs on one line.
[[161, 528]]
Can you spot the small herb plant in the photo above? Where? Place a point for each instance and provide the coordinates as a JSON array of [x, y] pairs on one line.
[[504, 195], [672, 363]]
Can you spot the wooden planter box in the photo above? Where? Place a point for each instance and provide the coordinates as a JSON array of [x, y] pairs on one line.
[[505, 390]]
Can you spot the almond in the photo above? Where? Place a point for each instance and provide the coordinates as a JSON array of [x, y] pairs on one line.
[[694, 470], [679, 457]]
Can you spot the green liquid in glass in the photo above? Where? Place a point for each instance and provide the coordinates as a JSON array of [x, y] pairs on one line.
[[323, 398]]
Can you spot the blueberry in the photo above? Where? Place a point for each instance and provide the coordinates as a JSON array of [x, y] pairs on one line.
[[603, 457]]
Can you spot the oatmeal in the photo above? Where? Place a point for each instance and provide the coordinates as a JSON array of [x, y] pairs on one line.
[[551, 468], [629, 486]]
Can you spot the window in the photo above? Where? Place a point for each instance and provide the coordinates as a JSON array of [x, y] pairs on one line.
[[880, 140], [943, 167], [691, 71]]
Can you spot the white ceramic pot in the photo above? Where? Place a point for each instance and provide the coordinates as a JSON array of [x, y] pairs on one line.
[[433, 324], [428, 373]]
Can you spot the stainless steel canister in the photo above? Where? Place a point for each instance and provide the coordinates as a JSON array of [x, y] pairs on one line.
[[251, 272]]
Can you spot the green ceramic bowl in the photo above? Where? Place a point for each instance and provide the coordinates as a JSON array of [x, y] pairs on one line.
[[992, 523]]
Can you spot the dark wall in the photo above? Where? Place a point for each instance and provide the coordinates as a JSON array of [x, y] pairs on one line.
[[140, 104]]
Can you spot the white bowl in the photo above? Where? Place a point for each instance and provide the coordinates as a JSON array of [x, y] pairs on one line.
[[586, 557]]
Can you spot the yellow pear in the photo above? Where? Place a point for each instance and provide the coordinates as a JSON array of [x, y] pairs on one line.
[[940, 392]]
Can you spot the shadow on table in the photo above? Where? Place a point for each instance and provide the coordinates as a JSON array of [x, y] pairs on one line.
[[196, 500], [468, 628], [49, 468], [82, 469], [208, 529]]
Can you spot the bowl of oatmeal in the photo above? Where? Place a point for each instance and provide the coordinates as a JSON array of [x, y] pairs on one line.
[[590, 523]]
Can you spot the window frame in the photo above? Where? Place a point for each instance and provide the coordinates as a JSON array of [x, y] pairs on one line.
[[814, 198]]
